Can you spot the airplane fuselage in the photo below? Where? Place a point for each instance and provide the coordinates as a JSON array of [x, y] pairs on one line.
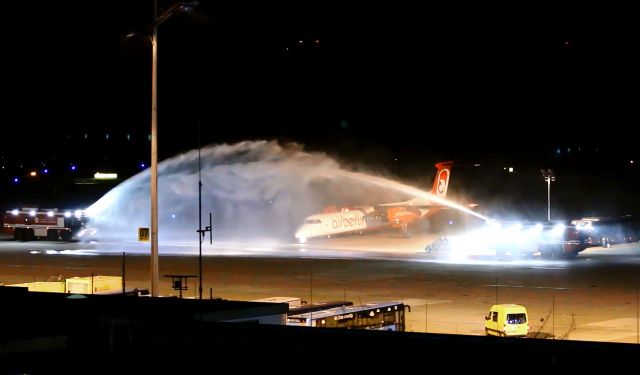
[[338, 223]]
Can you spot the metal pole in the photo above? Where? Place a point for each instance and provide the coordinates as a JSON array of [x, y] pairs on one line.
[[496, 290], [154, 156], [123, 289], [426, 314], [311, 298], [553, 308], [549, 198], [200, 233]]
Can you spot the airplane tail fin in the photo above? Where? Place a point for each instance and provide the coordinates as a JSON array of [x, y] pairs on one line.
[[440, 185], [441, 182]]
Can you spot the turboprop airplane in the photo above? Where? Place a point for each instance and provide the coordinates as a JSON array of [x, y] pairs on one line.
[[362, 218]]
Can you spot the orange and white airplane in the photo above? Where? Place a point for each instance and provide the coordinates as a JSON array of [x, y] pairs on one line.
[[361, 218]]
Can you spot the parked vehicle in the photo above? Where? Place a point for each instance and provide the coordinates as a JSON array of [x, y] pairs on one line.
[[507, 320], [30, 223]]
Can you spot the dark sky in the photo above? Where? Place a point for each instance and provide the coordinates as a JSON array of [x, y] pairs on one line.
[[365, 82], [366, 72]]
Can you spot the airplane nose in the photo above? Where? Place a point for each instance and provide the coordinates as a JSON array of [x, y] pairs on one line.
[[301, 235]]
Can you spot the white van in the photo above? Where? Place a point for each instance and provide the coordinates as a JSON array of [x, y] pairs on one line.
[[507, 320]]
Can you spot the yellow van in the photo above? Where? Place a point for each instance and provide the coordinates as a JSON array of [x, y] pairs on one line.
[[507, 320]]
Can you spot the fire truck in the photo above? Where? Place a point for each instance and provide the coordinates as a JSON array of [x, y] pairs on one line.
[[30, 223], [547, 240]]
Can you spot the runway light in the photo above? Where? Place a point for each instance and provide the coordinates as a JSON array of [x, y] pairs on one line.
[[33, 173], [45, 171]]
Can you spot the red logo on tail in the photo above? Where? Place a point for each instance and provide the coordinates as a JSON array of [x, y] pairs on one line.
[[443, 178]]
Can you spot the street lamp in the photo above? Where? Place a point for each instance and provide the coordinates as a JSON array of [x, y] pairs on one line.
[[548, 176], [178, 7]]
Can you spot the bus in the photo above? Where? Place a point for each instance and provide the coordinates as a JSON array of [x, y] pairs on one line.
[[387, 316], [317, 307], [293, 302]]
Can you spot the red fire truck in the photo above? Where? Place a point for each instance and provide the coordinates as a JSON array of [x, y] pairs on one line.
[[30, 223]]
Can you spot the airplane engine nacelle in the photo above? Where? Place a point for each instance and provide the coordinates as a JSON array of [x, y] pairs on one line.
[[400, 215], [330, 210]]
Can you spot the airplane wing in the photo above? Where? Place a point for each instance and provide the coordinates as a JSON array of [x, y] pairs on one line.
[[416, 202]]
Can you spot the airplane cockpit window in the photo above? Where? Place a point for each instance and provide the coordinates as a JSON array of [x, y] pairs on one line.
[[312, 221]]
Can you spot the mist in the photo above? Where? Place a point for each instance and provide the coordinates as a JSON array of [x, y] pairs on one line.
[[255, 190]]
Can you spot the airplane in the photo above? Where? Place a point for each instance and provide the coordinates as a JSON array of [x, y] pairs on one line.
[[362, 218]]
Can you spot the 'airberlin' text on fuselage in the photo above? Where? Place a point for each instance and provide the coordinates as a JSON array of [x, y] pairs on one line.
[[346, 222]]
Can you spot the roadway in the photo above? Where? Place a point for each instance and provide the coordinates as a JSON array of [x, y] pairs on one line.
[[594, 297]]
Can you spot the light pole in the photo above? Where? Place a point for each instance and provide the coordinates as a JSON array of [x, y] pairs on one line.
[[178, 7], [201, 231], [548, 176], [154, 153]]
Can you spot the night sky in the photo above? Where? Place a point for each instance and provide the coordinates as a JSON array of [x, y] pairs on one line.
[[396, 86]]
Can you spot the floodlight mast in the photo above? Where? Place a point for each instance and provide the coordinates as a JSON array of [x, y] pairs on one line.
[[178, 7], [548, 177]]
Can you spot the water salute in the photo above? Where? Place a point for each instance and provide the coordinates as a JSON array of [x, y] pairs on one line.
[[193, 187]]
